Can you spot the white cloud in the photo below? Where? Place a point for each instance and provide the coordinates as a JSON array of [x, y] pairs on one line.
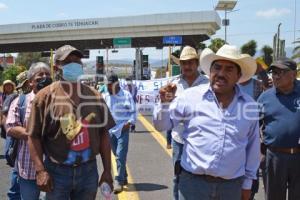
[[3, 6], [273, 12]]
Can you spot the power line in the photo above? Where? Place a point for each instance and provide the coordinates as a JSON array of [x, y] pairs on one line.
[[295, 20], [259, 33]]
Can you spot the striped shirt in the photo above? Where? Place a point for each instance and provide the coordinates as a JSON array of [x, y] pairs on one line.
[[24, 164]]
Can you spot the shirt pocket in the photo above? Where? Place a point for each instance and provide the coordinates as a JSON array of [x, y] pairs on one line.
[[239, 130]]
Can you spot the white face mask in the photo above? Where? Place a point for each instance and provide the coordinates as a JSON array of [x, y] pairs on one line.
[[72, 71]]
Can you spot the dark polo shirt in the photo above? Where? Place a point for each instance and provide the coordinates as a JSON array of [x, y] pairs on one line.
[[281, 117]]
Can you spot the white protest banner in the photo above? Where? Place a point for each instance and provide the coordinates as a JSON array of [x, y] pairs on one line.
[[146, 92]]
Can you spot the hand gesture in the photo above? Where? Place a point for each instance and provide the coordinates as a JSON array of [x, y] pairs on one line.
[[167, 93]]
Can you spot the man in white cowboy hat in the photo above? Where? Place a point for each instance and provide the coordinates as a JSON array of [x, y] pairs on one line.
[[220, 130], [190, 77]]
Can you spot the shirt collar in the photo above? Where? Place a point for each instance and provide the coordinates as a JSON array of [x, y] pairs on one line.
[[238, 93], [199, 78]]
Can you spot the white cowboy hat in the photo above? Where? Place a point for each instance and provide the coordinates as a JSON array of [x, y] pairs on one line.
[[188, 53], [231, 53]]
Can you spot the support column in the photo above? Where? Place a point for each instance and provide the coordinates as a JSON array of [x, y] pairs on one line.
[[138, 64]]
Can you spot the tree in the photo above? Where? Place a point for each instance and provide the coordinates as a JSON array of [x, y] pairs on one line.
[[249, 48], [26, 59], [10, 73], [267, 54], [216, 44], [296, 55], [201, 46]]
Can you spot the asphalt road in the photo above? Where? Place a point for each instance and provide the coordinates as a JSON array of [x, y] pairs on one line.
[[149, 166]]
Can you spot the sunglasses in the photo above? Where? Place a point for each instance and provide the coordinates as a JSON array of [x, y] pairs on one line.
[[279, 72]]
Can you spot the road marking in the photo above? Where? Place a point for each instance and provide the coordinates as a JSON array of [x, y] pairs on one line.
[[157, 135], [129, 192]]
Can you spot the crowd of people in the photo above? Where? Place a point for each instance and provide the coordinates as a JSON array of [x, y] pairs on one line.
[[227, 123], [224, 130]]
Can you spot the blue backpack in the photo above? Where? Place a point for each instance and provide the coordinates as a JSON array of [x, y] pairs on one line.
[[11, 143]]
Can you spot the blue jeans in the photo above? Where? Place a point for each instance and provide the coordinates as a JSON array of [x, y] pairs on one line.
[[193, 187], [120, 149], [177, 151], [14, 190], [169, 136], [28, 189], [75, 183]]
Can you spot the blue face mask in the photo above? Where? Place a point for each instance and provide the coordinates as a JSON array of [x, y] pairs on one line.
[[72, 72]]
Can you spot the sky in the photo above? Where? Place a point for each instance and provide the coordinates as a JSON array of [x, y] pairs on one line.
[[251, 19]]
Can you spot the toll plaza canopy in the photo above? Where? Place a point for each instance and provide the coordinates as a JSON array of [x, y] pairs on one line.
[[155, 30]]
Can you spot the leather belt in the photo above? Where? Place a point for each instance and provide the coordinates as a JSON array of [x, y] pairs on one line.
[[285, 150], [206, 177], [51, 160]]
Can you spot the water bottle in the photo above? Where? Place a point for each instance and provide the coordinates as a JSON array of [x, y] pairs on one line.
[[106, 191]]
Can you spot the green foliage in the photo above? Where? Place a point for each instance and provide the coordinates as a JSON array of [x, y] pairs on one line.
[[267, 54], [249, 48], [26, 59], [201, 46], [216, 44], [11, 73]]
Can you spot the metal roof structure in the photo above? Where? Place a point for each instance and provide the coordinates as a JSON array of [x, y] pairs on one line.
[[98, 33]]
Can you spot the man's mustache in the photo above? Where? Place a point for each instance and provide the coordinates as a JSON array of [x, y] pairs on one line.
[[219, 78]]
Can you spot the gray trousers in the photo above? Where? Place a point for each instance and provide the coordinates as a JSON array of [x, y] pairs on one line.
[[282, 174]]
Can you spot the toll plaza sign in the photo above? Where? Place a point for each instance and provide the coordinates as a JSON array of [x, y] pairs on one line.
[[172, 40], [122, 42], [68, 24]]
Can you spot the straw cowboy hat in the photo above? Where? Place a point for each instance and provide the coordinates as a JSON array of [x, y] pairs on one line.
[[231, 53], [7, 82], [188, 53]]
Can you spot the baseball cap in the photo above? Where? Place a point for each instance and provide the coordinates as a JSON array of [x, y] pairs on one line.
[[62, 52], [284, 63]]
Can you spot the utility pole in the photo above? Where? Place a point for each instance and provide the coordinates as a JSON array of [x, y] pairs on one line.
[[295, 21], [278, 41], [107, 70], [226, 23], [226, 5]]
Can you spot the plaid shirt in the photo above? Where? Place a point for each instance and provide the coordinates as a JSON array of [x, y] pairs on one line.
[[24, 164]]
